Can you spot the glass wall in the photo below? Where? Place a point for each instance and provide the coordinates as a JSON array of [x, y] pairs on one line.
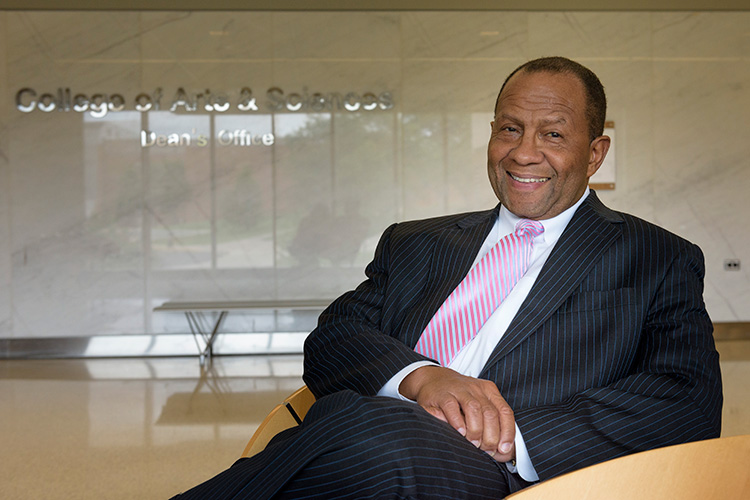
[[172, 156]]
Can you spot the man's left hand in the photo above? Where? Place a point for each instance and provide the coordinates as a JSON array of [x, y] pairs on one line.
[[474, 407]]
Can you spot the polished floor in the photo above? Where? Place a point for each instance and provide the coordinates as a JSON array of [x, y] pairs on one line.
[[150, 428]]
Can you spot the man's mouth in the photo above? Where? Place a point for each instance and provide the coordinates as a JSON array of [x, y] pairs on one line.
[[531, 180]]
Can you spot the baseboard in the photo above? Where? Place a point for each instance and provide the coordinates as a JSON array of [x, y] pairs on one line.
[[129, 346]]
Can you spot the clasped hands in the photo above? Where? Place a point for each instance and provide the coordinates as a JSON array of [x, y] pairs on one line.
[[474, 407]]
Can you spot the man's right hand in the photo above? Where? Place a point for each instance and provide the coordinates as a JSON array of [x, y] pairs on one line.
[[474, 407]]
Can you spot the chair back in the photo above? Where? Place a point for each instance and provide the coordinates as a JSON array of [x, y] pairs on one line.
[[715, 469], [285, 415]]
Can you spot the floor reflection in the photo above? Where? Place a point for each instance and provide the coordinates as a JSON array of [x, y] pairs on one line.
[[149, 428]]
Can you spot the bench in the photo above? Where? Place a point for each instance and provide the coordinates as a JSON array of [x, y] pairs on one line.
[[205, 328]]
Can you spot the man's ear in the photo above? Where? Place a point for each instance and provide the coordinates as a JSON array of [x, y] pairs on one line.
[[597, 152]]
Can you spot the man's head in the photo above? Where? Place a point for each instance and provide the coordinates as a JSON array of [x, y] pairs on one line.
[[546, 137], [596, 100]]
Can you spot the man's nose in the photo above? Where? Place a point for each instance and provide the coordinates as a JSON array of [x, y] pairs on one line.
[[528, 150]]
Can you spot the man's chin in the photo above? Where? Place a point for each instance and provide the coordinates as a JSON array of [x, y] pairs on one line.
[[526, 208]]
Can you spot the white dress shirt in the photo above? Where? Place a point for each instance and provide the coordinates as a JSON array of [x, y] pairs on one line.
[[474, 355]]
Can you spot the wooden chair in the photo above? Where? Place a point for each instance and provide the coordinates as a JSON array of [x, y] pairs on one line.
[[713, 469], [285, 415]]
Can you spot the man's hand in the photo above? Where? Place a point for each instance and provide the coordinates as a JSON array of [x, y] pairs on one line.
[[474, 407]]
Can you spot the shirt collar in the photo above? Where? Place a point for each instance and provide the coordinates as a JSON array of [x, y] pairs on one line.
[[553, 227]]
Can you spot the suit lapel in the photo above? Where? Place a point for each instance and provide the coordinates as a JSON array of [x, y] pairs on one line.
[[590, 232], [452, 256]]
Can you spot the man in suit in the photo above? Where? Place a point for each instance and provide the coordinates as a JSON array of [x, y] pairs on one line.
[[602, 348]]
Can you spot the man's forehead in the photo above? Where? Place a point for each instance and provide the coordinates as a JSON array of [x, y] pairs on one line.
[[542, 92], [544, 108], [550, 118], [556, 76]]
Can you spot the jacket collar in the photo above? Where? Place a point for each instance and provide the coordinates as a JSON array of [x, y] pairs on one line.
[[592, 230]]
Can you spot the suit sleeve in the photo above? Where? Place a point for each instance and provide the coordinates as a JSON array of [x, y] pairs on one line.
[[349, 349], [672, 393]]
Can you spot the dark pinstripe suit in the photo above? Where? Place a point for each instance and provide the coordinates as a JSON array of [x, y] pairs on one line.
[[611, 353]]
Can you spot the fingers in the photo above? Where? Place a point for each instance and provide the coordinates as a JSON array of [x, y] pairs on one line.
[[504, 457], [451, 409], [473, 407], [507, 432], [481, 421], [507, 427], [490, 422], [437, 413]]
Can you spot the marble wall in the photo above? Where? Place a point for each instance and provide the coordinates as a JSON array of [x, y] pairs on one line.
[[96, 228]]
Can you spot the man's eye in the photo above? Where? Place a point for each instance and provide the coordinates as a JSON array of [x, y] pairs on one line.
[[555, 135]]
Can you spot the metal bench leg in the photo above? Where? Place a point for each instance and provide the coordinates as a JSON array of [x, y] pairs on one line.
[[197, 322]]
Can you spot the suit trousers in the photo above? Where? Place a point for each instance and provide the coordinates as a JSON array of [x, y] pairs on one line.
[[355, 447]]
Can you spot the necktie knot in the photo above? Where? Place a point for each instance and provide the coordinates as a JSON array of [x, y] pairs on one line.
[[527, 227]]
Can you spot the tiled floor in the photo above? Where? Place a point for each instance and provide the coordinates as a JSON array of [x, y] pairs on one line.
[[150, 428]]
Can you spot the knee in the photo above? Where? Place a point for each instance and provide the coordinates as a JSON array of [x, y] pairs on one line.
[[382, 424]]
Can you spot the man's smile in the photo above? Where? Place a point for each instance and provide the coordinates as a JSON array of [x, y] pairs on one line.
[[529, 180]]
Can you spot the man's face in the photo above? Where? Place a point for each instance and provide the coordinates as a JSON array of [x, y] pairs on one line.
[[539, 157]]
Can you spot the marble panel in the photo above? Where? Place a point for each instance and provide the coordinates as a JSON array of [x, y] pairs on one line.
[[352, 36], [701, 109], [489, 36], [629, 105], [208, 37], [453, 86], [76, 226], [587, 36], [425, 165], [691, 36], [74, 178], [617, 47], [460, 95], [55, 45], [468, 186], [6, 275]]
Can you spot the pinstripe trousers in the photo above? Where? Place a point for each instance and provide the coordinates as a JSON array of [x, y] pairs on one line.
[[351, 446]]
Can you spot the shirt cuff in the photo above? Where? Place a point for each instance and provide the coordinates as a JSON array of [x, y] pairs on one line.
[[390, 389], [522, 465]]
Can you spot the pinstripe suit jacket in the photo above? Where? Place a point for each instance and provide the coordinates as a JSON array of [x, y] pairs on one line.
[[611, 352]]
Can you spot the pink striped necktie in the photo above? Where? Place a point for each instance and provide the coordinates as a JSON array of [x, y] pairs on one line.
[[474, 300]]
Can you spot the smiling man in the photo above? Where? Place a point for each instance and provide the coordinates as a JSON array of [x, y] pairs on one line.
[[490, 350], [542, 150]]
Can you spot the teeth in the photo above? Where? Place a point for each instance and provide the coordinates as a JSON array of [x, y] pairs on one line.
[[528, 181]]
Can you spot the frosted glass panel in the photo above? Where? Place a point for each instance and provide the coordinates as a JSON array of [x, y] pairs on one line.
[[167, 156]]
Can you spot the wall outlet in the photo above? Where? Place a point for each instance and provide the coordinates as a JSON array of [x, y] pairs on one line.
[[732, 264]]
